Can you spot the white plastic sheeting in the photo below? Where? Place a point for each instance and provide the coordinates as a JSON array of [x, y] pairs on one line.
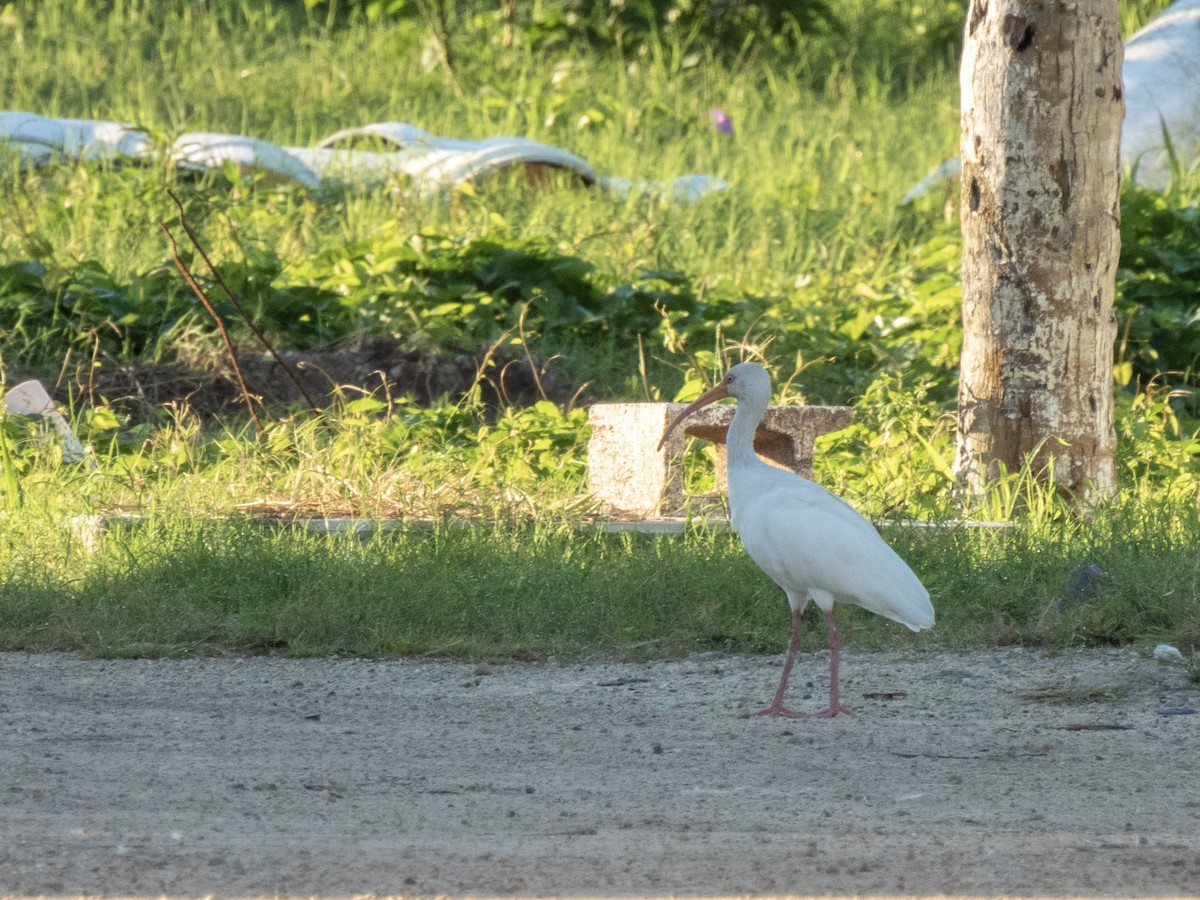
[[424, 162], [1162, 101], [1162, 94]]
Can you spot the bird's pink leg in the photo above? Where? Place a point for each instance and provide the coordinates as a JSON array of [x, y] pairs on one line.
[[834, 658], [777, 708]]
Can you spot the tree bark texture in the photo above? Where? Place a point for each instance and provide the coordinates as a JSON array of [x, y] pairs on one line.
[[1041, 126]]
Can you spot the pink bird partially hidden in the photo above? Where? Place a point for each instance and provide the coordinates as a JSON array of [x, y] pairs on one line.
[[809, 541]]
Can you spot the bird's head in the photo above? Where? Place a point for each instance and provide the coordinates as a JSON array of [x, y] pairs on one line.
[[746, 381]]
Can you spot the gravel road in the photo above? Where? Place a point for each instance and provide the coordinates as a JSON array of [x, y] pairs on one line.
[[998, 774]]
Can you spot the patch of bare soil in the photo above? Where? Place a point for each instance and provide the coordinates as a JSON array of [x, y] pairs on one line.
[[206, 381], [997, 774]]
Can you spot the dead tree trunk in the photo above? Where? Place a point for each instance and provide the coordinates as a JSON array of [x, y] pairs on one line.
[[1041, 125]]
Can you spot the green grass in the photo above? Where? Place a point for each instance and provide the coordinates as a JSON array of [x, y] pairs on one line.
[[806, 262], [465, 592], [539, 591], [806, 259], [816, 168]]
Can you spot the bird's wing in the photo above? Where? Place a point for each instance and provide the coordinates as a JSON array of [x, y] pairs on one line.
[[805, 537]]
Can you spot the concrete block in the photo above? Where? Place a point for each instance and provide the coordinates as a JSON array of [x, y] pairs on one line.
[[628, 475]]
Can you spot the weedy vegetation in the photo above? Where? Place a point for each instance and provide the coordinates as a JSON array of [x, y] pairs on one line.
[[807, 262]]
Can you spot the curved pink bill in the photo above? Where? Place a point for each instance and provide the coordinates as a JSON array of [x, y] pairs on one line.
[[720, 392]]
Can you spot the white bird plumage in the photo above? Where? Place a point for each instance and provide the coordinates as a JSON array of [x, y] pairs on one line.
[[809, 541]]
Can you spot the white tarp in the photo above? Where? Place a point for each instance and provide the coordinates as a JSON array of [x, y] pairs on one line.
[[1162, 101], [1162, 94], [425, 162]]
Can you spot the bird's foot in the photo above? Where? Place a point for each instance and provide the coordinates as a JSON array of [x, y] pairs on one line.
[[833, 710], [778, 709]]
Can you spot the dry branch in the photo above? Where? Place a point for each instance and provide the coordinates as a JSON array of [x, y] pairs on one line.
[[200, 295], [262, 338]]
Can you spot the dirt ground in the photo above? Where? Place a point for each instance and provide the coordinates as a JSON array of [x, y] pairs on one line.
[[206, 383], [991, 774]]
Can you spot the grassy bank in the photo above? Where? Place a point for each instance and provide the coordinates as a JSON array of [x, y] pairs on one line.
[[172, 587], [807, 262]]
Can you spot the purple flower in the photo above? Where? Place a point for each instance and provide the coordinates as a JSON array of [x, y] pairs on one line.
[[721, 120]]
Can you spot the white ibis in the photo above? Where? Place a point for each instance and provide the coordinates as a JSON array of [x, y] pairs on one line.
[[810, 542]]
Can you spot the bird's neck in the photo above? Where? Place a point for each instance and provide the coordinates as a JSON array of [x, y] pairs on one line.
[[739, 441]]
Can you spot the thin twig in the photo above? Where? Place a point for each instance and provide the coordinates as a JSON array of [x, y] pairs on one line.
[[533, 369], [187, 276], [642, 369], [262, 338], [508, 15], [444, 28], [439, 25], [481, 368]]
